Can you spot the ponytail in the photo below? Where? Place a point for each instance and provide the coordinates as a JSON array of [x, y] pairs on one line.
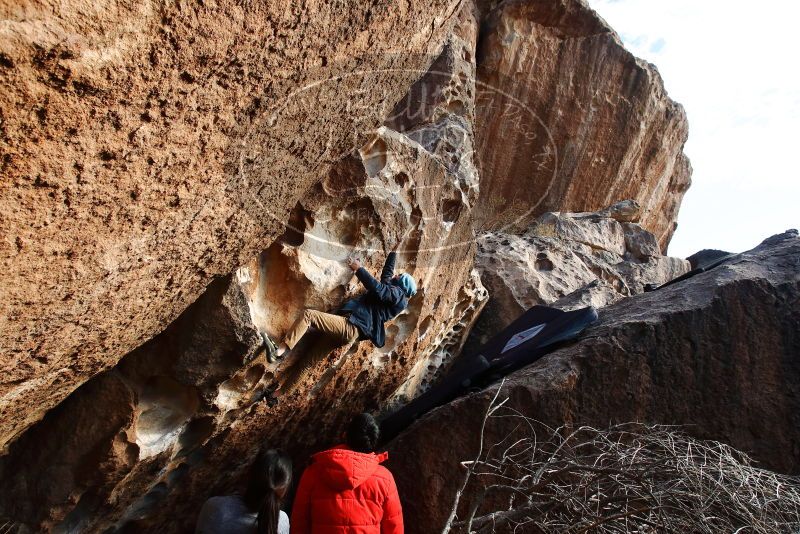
[[269, 479], [269, 514]]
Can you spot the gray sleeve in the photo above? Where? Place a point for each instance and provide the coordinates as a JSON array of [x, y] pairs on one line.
[[283, 523]]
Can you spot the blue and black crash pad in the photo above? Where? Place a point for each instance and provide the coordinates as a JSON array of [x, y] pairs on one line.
[[535, 333]]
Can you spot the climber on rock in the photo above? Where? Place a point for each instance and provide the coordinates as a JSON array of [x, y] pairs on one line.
[[360, 318]]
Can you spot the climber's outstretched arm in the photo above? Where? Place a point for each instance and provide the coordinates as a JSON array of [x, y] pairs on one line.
[[379, 289], [388, 267]]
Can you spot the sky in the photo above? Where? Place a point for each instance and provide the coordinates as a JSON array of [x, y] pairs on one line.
[[735, 67]]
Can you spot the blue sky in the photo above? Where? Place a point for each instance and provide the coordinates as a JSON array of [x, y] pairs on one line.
[[735, 66]]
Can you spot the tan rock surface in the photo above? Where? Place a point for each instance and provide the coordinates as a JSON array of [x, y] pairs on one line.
[[568, 120], [148, 147], [179, 419], [176, 180]]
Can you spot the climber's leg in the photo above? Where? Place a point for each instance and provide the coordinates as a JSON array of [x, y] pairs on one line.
[[328, 323], [337, 332]]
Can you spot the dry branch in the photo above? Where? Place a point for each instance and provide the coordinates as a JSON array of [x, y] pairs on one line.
[[627, 478]]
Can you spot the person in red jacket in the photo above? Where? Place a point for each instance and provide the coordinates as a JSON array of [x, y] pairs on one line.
[[346, 491]]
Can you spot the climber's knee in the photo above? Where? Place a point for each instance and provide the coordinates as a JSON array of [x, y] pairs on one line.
[[310, 316], [351, 334]]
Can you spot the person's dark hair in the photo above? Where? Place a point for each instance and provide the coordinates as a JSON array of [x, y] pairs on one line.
[[363, 433], [270, 478]]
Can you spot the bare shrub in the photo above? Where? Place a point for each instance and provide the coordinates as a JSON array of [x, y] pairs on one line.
[[627, 478]]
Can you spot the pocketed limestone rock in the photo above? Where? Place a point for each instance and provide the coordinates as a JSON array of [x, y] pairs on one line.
[[567, 259], [194, 416]]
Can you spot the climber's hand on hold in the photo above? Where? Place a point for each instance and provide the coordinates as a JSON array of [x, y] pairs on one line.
[[353, 263]]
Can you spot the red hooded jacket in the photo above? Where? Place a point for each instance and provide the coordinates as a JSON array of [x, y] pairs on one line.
[[347, 492]]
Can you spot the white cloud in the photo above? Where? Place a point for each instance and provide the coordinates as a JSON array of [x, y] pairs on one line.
[[733, 65]]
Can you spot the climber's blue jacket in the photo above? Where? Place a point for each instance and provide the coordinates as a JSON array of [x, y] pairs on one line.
[[382, 301]]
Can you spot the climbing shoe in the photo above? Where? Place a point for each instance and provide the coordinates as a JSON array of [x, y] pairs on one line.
[[270, 347]]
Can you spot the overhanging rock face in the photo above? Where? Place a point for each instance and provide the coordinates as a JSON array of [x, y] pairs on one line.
[[154, 433], [149, 147], [716, 354], [180, 418]]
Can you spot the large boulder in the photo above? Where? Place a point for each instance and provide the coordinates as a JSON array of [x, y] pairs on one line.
[[568, 260], [569, 120], [150, 147], [194, 176], [717, 354], [186, 415]]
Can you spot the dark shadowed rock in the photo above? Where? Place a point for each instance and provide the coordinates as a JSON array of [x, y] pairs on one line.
[[718, 354], [706, 257]]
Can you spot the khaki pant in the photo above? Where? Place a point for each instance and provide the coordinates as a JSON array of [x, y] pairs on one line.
[[336, 332]]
